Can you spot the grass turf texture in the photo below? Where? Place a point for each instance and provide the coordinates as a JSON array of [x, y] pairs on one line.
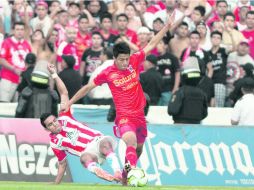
[[71, 186]]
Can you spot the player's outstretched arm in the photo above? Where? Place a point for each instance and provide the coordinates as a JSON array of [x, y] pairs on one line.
[[156, 39], [61, 169], [59, 84], [81, 93]]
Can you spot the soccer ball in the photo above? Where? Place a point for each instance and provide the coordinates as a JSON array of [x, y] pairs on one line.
[[136, 177]]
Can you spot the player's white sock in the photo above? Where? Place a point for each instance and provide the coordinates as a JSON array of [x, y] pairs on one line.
[[113, 161]]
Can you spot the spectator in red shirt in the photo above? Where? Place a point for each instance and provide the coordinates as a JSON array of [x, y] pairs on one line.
[[84, 37], [68, 47], [12, 58], [62, 18], [122, 22], [220, 11], [249, 31]]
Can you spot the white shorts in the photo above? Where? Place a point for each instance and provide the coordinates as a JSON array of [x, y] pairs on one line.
[[94, 147], [7, 90]]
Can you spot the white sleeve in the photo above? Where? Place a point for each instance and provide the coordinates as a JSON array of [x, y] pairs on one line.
[[236, 113]]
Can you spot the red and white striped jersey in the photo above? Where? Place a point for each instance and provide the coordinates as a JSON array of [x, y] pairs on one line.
[[73, 138]]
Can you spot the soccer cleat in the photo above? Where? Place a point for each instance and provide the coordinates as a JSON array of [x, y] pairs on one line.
[[103, 174], [127, 168]]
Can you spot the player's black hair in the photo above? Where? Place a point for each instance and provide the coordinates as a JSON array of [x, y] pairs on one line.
[[121, 48], [43, 117]]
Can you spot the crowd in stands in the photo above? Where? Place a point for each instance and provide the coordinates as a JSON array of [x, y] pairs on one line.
[[78, 37]]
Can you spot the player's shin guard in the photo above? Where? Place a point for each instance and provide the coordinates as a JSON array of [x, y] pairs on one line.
[[131, 156]]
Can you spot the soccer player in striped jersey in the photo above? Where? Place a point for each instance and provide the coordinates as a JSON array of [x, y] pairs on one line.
[[70, 136]]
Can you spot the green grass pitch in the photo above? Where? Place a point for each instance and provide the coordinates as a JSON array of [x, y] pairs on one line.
[[71, 186]]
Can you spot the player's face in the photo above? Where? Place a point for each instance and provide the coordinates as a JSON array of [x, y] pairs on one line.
[[122, 61], [52, 124]]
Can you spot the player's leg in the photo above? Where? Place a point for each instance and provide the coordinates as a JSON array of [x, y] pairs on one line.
[[139, 149], [106, 148], [130, 139], [141, 137], [90, 162]]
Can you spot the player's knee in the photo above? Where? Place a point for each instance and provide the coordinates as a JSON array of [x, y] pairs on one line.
[[105, 147], [85, 159], [130, 138]]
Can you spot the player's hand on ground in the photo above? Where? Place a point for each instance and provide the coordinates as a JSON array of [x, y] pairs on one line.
[[51, 68], [103, 174]]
